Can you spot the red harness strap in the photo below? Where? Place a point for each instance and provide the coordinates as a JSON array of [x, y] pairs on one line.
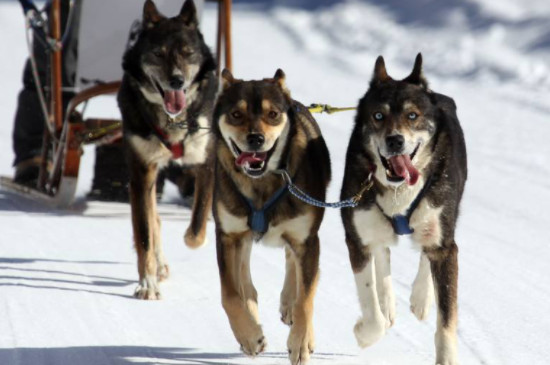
[[175, 148]]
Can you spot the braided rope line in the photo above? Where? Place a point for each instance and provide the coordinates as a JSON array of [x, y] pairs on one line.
[[301, 195]]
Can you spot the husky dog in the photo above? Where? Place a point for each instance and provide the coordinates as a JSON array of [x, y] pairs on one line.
[[259, 130], [410, 140], [166, 100]]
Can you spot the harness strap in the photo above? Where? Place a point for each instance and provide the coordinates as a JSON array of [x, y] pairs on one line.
[[175, 148], [401, 223], [257, 220]]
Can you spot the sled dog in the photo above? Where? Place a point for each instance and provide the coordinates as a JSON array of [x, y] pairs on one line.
[[166, 99], [260, 129], [409, 138]]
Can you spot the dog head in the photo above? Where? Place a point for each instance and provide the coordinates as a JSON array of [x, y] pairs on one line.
[[169, 53], [252, 118], [397, 121]]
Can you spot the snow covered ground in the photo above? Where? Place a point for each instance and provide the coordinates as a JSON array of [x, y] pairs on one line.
[[66, 276]]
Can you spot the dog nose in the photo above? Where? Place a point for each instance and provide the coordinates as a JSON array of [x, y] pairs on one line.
[[395, 143], [255, 140], [176, 82]]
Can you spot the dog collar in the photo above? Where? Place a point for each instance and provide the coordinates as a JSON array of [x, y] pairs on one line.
[[401, 223], [175, 148], [257, 220]]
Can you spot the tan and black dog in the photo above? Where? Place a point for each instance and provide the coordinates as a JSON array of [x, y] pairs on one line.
[[410, 139], [166, 100], [260, 129]]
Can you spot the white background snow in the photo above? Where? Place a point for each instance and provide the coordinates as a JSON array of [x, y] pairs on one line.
[[67, 276]]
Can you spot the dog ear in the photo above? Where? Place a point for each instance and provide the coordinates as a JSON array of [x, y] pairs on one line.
[[416, 77], [227, 79], [380, 73], [151, 15], [188, 13], [280, 79]]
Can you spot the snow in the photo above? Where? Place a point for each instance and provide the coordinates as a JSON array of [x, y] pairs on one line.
[[67, 276]]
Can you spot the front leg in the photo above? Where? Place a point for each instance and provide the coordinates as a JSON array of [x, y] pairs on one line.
[[195, 236], [384, 288], [238, 294], [444, 267], [372, 326], [301, 341], [145, 228]]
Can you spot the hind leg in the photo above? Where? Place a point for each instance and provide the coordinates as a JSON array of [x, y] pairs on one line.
[[248, 291], [444, 268], [384, 288], [238, 293], [301, 340], [422, 294], [145, 228], [163, 271], [288, 294]]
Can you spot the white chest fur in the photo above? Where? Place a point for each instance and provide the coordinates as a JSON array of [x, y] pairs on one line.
[[374, 228]]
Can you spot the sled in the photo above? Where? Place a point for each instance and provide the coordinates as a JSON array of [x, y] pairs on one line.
[[67, 131]]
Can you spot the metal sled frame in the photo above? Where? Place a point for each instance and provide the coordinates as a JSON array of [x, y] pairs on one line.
[[66, 133]]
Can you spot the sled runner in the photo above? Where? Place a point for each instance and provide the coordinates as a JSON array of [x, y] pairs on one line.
[[102, 39]]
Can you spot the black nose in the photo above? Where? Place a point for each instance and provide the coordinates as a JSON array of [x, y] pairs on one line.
[[255, 140], [395, 143], [176, 82]]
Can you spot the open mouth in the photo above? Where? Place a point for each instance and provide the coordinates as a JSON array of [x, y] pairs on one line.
[[399, 168], [253, 163], [174, 100]]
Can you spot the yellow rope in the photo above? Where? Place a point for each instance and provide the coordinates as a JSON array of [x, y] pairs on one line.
[[325, 108]]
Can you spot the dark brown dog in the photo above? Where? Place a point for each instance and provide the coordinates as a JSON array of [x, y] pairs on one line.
[[166, 100], [410, 139]]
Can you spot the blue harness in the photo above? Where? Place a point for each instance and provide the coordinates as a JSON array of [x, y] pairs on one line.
[[257, 220], [400, 222]]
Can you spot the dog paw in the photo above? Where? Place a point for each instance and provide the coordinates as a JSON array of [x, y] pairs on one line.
[[369, 332], [163, 272], [147, 290], [445, 348], [421, 300], [286, 314], [301, 344], [194, 241], [253, 345]]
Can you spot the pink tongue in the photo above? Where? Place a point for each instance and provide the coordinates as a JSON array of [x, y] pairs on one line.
[[174, 101], [403, 167], [250, 157]]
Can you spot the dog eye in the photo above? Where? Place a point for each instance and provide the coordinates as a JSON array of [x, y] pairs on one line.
[[273, 114], [378, 116], [157, 54], [237, 114], [412, 116]]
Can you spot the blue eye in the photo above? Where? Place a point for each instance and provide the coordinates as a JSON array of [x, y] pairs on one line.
[[412, 116], [378, 116]]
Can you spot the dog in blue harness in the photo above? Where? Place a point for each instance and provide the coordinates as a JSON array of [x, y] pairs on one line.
[[260, 130], [409, 138]]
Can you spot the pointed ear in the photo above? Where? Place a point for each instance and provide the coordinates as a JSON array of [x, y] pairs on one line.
[[416, 77], [280, 78], [151, 15], [227, 79], [380, 73], [188, 13]]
